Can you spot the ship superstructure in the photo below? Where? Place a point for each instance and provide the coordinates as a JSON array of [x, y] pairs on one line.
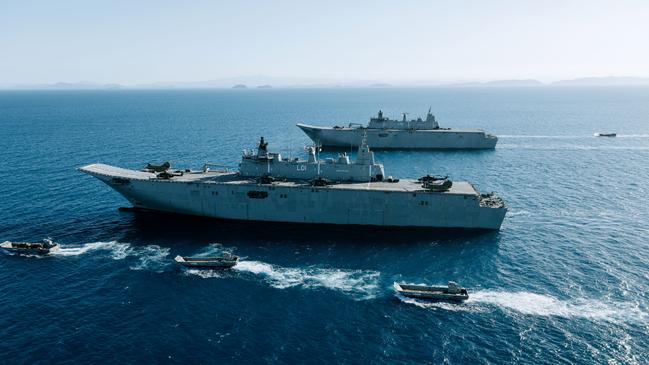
[[381, 122], [264, 163]]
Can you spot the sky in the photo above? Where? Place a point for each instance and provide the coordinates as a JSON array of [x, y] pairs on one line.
[[147, 41]]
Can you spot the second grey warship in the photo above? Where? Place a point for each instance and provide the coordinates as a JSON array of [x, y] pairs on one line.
[[386, 133], [269, 187]]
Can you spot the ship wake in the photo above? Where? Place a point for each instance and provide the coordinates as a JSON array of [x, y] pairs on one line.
[[116, 249], [455, 307], [533, 304], [546, 305], [149, 257], [359, 284], [582, 136]]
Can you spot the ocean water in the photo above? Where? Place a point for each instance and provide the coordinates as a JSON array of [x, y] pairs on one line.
[[564, 281]]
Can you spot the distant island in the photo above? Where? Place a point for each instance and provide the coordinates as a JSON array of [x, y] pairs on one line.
[[502, 83], [266, 82], [517, 83], [604, 81], [580, 82]]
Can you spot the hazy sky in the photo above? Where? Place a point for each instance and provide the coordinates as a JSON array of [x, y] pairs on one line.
[[143, 41]]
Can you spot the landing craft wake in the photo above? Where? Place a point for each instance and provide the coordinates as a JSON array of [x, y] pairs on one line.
[[270, 188], [527, 303]]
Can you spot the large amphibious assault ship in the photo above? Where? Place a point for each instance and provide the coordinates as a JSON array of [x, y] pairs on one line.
[[269, 187], [385, 133]]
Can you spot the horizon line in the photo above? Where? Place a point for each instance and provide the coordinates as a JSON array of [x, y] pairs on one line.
[[283, 83]]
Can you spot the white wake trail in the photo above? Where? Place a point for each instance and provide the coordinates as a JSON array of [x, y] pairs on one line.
[[360, 284], [150, 257], [545, 305], [543, 136], [118, 250], [533, 304]]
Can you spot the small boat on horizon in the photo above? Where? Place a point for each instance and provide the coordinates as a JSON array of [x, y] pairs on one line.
[[226, 261], [451, 292], [44, 247], [605, 134]]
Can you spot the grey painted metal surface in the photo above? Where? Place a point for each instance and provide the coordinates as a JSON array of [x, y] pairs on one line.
[[385, 133], [224, 262], [262, 163], [232, 195], [451, 292]]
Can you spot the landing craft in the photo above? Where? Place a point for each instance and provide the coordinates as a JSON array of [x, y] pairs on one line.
[[226, 261], [268, 187], [450, 293], [44, 247]]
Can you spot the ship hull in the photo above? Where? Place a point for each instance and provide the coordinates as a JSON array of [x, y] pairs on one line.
[[229, 197], [400, 139]]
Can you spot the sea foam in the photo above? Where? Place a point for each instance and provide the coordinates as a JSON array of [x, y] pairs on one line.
[[527, 303], [546, 305], [150, 257], [360, 284]]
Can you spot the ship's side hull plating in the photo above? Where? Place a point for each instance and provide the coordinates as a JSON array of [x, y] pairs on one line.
[[302, 203], [401, 139]]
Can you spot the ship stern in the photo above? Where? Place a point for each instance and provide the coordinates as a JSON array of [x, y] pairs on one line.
[[492, 211]]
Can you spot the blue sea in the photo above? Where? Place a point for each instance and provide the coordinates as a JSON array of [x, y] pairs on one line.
[[564, 281]]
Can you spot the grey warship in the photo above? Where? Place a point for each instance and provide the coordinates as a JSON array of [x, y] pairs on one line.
[[268, 187], [386, 133]]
